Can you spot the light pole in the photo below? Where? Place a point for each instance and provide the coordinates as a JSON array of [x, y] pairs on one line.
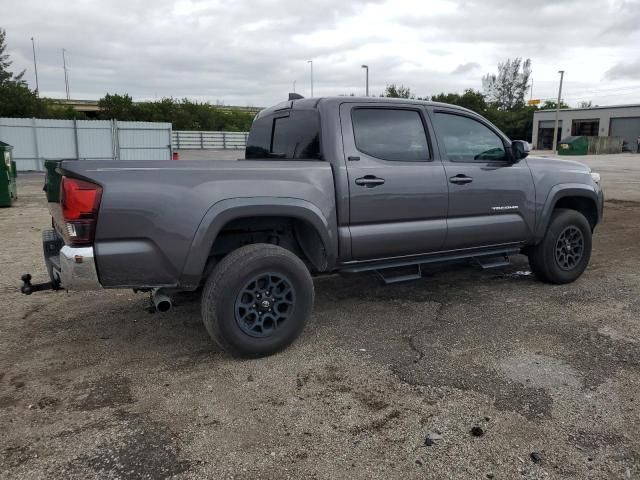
[[310, 62], [366, 67], [555, 130], [66, 76], [35, 65], [294, 86]]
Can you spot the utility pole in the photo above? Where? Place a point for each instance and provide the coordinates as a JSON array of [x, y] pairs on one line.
[[35, 65], [310, 62], [366, 67], [555, 130], [294, 86], [66, 75]]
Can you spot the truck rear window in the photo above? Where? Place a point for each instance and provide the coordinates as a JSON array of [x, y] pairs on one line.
[[292, 135]]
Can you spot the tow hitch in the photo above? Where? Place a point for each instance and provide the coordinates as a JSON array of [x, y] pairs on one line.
[[28, 288]]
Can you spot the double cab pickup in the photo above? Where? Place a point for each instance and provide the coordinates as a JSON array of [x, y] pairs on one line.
[[340, 184]]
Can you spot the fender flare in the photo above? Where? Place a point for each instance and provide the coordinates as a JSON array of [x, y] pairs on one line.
[[559, 191], [230, 209]]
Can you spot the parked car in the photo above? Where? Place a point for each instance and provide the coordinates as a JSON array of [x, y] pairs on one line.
[[328, 185]]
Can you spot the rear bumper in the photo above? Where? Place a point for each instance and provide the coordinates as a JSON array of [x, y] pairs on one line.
[[71, 268], [78, 269]]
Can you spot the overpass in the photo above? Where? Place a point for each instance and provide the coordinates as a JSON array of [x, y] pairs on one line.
[[91, 107]]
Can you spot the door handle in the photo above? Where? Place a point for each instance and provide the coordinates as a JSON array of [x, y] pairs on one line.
[[460, 179], [369, 181]]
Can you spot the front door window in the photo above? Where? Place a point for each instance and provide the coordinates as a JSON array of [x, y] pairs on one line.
[[467, 140]]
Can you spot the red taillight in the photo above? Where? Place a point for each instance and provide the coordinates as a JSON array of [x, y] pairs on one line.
[[80, 201]]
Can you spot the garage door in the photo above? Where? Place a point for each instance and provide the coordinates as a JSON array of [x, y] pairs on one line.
[[545, 134], [628, 128]]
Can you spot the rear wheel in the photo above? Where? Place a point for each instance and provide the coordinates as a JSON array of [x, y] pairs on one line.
[[257, 300], [565, 250]]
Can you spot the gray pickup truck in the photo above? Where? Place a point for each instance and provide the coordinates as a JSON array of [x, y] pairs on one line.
[[327, 185]]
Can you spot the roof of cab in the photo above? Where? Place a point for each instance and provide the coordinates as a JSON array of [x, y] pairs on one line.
[[307, 103]]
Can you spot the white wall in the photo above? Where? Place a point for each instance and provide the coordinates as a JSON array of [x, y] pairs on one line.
[[35, 140]]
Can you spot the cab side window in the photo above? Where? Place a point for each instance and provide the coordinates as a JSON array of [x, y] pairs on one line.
[[390, 134], [467, 140]]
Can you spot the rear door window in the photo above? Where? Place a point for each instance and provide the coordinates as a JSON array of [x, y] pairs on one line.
[[290, 136], [390, 134]]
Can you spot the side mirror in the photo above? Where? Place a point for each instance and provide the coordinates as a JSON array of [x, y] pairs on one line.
[[519, 150]]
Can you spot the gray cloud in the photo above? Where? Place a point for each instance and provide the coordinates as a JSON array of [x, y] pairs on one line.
[[465, 68], [624, 70], [626, 23], [519, 24], [249, 53]]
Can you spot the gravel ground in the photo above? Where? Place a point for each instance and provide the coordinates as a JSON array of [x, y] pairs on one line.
[[92, 386]]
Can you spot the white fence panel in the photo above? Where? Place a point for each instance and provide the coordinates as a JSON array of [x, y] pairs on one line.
[[19, 132], [197, 140], [36, 140], [95, 141], [56, 138], [144, 141]]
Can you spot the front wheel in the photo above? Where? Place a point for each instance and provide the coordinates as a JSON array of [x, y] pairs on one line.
[[257, 300], [565, 250]]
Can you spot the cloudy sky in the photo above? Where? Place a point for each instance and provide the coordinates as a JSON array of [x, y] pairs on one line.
[[250, 52]]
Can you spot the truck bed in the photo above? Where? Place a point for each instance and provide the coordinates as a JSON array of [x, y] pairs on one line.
[[152, 212]]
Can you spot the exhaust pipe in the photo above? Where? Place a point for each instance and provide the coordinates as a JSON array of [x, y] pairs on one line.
[[161, 301]]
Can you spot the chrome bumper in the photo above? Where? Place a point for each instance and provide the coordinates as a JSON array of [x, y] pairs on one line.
[[77, 269]]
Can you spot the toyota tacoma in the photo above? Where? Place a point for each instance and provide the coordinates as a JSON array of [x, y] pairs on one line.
[[327, 185]]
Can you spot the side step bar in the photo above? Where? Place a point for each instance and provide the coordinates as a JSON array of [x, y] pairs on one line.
[[367, 266], [493, 262], [405, 269], [403, 274]]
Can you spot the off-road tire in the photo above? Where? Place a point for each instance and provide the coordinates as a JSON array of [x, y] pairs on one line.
[[542, 257], [223, 290]]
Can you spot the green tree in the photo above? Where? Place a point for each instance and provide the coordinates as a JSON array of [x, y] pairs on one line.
[[119, 107], [16, 100], [471, 99], [551, 105], [397, 91], [5, 63], [507, 89], [182, 114], [517, 123]]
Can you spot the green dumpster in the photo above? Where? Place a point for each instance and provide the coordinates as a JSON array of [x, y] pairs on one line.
[[573, 146], [8, 190], [52, 180]]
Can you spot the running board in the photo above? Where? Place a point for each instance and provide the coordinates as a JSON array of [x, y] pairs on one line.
[[376, 265], [403, 274], [493, 262]]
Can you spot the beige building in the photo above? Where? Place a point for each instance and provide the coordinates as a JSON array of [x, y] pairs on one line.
[[614, 121]]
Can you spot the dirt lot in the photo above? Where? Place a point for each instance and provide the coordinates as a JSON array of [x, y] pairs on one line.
[[93, 386]]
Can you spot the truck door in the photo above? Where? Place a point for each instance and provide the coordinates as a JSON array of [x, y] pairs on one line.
[[491, 198], [398, 191]]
